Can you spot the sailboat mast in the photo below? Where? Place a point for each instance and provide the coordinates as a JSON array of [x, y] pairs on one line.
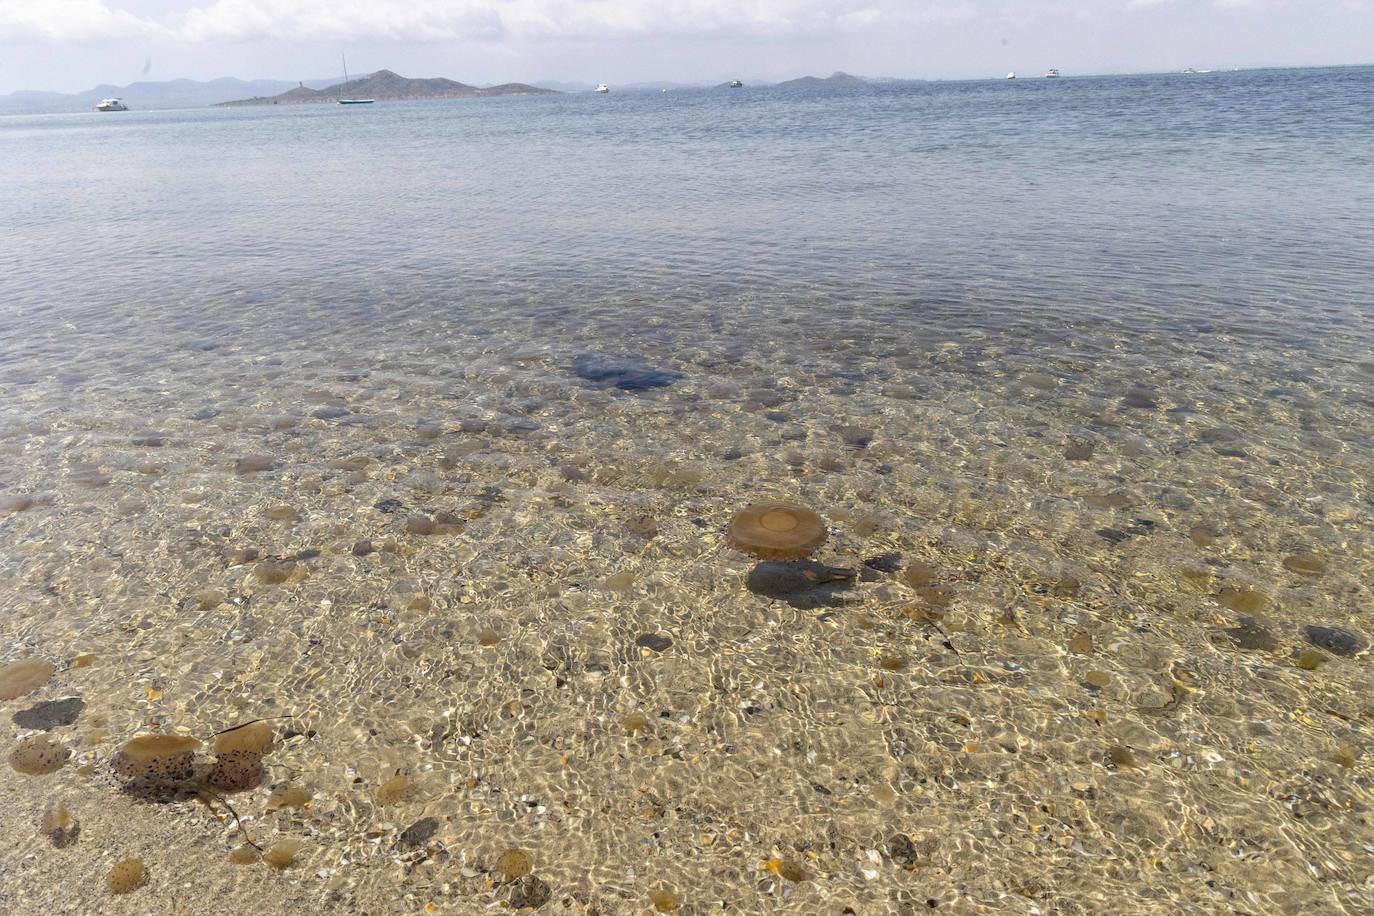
[[344, 58]]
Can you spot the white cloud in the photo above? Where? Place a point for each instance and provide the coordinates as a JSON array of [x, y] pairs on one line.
[[441, 20], [68, 20], [437, 20]]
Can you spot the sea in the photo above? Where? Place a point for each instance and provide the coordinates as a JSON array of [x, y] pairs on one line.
[[420, 433]]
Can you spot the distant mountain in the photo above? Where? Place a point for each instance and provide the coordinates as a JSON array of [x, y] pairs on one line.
[[141, 95], [384, 85], [833, 81]]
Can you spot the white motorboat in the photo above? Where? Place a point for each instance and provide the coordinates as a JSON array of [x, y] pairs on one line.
[[110, 105], [736, 84], [602, 87], [1052, 74], [1011, 75]]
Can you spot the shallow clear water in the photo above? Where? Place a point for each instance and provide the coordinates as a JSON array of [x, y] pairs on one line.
[[1082, 369]]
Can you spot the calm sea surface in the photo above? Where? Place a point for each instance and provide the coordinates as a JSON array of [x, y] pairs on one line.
[[419, 428]]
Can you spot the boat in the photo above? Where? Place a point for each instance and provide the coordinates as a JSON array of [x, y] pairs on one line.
[[345, 86], [602, 87], [110, 105], [736, 84], [1011, 75], [1052, 74]]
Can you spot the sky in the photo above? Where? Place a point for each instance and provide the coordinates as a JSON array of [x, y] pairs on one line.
[[71, 45]]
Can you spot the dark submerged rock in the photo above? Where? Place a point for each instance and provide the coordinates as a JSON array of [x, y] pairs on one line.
[[620, 372], [418, 833]]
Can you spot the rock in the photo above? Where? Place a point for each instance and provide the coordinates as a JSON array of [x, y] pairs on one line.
[[855, 436], [418, 833], [901, 850], [1079, 451], [627, 374], [253, 464], [1140, 398], [363, 548], [1335, 640]]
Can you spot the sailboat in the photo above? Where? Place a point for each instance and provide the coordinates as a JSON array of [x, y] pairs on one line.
[[345, 86]]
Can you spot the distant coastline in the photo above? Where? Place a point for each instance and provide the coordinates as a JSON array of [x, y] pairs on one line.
[[188, 94], [388, 86]]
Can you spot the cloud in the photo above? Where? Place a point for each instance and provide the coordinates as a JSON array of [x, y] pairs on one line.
[[441, 20], [69, 20], [495, 20]]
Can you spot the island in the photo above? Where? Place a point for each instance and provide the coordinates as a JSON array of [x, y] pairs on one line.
[[384, 85], [837, 79]]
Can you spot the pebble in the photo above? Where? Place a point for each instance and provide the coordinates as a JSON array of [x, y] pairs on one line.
[[418, 833], [253, 464]]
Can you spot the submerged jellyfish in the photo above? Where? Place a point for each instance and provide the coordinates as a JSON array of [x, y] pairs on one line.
[[23, 677], [777, 531], [156, 761], [238, 757]]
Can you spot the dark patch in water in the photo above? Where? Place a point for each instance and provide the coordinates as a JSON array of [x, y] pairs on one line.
[[621, 372], [418, 833], [805, 584], [655, 641], [885, 562], [1334, 640], [1250, 635], [50, 714]]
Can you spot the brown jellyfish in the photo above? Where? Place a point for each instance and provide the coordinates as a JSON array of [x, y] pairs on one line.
[[777, 531], [160, 761], [39, 756], [238, 757], [23, 677]]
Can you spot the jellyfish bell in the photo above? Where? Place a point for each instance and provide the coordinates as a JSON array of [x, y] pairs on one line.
[[777, 531], [160, 761], [238, 757]]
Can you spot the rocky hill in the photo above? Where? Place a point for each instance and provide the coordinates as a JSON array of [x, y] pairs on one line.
[[384, 85]]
